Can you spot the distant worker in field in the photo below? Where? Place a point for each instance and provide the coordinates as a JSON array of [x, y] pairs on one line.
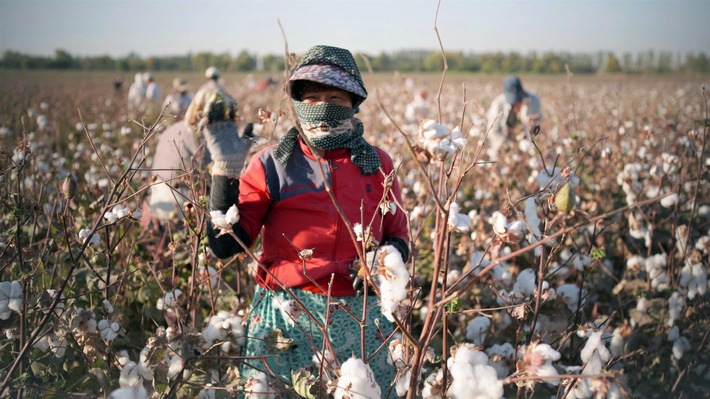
[[418, 108], [194, 111], [521, 112], [136, 96], [178, 100], [152, 92], [521, 109]]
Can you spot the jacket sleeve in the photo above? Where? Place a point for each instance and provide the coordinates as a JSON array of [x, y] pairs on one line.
[[223, 194], [251, 196]]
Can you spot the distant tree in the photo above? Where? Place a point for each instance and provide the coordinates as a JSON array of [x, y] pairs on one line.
[[273, 63], [612, 64], [245, 62], [62, 60]]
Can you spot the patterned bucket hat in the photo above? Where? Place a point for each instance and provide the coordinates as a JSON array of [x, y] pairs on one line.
[[331, 66]]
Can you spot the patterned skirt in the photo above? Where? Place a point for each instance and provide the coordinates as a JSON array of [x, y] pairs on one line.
[[300, 341]]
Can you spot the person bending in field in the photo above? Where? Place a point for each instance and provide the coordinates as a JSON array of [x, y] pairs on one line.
[[521, 114], [306, 246]]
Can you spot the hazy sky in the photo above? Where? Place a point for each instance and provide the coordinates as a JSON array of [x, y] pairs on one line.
[[176, 27]]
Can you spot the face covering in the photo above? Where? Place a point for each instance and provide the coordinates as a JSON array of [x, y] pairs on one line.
[[330, 127]]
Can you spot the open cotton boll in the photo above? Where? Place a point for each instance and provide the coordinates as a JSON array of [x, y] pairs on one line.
[[676, 303], [170, 299], [477, 329], [393, 278], [431, 130], [10, 298], [257, 387], [472, 377], [569, 294], [458, 221], [525, 283], [129, 393], [290, 310], [595, 346], [670, 201], [680, 346], [356, 381]]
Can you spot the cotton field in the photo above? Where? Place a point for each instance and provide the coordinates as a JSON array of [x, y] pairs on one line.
[[567, 263]]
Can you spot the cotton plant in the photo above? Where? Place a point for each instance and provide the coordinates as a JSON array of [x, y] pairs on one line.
[[433, 387], [170, 299], [94, 240], [356, 381], [393, 279], [133, 374], [290, 310], [398, 358], [120, 211], [694, 279], [10, 298], [458, 221], [129, 393], [471, 376], [499, 272], [477, 330], [537, 360], [500, 357], [224, 221], [630, 180], [440, 142], [225, 329], [594, 356], [656, 269], [676, 304]]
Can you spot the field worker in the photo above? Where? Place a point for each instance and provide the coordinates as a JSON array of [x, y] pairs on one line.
[[418, 108], [194, 111], [136, 95], [520, 110], [178, 152], [152, 91], [178, 99], [282, 196]]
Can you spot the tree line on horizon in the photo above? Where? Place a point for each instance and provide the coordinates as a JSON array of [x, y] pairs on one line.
[[403, 60]]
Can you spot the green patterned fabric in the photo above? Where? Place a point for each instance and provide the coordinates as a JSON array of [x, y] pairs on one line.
[[323, 125], [343, 333]]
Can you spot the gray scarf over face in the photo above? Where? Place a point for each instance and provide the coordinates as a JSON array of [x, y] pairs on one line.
[[329, 126]]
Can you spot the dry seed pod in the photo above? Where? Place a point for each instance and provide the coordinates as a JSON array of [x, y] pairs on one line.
[[69, 186]]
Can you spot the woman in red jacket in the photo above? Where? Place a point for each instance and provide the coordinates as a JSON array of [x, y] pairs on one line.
[[283, 195]]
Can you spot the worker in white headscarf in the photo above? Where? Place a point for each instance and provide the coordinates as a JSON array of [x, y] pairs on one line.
[[136, 95], [194, 112], [152, 92], [179, 99]]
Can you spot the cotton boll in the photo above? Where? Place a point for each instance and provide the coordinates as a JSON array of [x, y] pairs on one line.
[[676, 303], [525, 283], [670, 201], [477, 329], [129, 393], [569, 294], [616, 346], [393, 278], [472, 377], [356, 381], [595, 346], [433, 385], [680, 346]]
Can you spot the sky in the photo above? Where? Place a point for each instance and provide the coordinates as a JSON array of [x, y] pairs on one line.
[[178, 27]]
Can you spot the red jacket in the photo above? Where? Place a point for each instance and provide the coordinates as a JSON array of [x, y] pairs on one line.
[[290, 203]]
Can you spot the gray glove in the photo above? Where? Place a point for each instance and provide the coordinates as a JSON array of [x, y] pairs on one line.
[[227, 148]]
